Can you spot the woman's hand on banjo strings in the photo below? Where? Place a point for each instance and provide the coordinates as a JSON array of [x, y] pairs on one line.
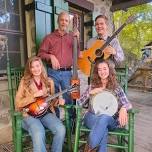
[[123, 117], [95, 91]]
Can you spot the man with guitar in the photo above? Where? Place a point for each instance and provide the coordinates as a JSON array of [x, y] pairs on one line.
[[57, 49], [116, 54], [101, 47], [34, 88]]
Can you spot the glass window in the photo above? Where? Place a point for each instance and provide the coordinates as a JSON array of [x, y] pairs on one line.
[[12, 27]]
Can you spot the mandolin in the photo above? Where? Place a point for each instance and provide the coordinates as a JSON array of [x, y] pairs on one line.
[[98, 50], [41, 105]]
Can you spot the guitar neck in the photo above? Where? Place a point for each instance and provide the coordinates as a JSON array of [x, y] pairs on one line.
[[112, 37]]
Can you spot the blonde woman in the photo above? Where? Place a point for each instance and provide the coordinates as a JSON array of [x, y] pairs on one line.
[[35, 83]]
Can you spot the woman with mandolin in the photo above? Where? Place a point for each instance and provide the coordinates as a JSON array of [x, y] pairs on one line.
[[34, 87], [109, 115]]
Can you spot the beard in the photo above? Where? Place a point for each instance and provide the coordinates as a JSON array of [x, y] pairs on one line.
[[63, 28]]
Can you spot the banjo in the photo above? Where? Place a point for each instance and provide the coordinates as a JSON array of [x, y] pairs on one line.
[[104, 102]]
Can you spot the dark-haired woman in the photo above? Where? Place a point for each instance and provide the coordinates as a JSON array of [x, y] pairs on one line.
[[103, 78]]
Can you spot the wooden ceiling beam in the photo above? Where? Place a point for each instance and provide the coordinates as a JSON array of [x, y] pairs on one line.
[[125, 5], [83, 4]]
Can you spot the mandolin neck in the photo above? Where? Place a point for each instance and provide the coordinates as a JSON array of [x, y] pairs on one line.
[[51, 97]]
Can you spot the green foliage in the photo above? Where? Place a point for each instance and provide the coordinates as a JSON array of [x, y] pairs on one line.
[[138, 33]]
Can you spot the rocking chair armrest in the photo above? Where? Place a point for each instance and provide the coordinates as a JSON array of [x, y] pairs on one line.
[[18, 118], [133, 111], [66, 106], [18, 125], [17, 114]]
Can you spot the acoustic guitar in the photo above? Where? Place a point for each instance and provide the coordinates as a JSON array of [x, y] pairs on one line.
[[41, 105], [98, 50]]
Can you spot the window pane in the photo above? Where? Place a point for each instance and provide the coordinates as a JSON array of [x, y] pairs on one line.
[[4, 19], [10, 15], [12, 6], [14, 22], [15, 51], [2, 4], [11, 26]]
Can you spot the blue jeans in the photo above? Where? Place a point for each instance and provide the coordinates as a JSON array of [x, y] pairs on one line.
[[36, 128], [61, 79], [99, 126]]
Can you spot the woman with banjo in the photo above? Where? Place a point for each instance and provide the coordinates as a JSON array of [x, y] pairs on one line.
[[108, 106], [35, 85]]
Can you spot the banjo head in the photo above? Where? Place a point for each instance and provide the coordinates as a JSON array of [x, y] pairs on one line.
[[104, 102]]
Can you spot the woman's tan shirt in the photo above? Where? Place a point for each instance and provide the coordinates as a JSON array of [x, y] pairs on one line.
[[25, 97]]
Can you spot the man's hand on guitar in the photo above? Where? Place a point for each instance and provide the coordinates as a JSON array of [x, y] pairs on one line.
[[55, 62], [113, 51], [110, 51]]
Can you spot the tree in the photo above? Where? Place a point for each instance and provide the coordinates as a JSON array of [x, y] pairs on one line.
[[138, 33]]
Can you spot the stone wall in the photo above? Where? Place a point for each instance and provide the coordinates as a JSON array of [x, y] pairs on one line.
[[142, 77], [102, 7], [5, 119]]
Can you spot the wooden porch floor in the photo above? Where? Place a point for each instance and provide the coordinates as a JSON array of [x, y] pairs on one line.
[[143, 122]]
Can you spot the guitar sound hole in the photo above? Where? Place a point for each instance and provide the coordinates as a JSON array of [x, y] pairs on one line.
[[98, 52]]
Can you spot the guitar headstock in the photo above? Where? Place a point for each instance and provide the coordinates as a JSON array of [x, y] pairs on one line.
[[131, 18]]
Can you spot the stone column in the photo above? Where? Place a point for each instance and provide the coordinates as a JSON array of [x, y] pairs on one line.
[[102, 7]]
